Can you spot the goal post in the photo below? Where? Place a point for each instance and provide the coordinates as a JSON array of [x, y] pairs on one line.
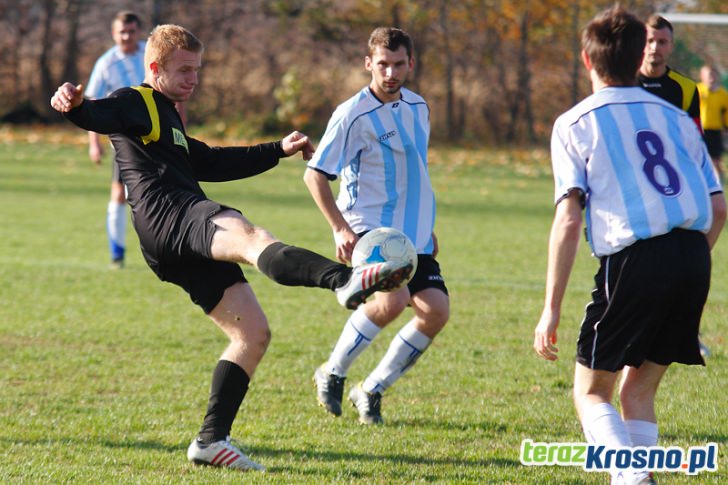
[[696, 18], [704, 36]]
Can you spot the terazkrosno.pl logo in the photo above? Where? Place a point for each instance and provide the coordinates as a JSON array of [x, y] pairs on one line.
[[594, 458]]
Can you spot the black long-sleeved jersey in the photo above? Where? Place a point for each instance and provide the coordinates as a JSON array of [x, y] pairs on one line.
[[676, 89], [159, 164]]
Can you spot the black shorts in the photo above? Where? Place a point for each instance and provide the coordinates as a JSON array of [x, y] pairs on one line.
[[427, 275], [186, 260], [714, 142], [647, 304]]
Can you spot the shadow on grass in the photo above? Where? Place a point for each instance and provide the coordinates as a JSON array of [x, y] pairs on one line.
[[301, 456], [296, 455], [81, 443], [446, 426]]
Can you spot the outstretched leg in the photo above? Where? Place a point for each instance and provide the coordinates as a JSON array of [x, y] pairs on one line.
[[238, 240]]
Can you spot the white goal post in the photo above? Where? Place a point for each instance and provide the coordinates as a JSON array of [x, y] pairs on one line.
[[696, 18], [705, 33]]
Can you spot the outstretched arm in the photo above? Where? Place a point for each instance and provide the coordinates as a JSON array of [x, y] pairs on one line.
[[67, 97], [221, 164], [297, 142], [563, 244]]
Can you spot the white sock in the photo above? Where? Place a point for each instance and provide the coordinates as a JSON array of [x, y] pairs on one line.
[[402, 354], [358, 333], [116, 228], [642, 433], [603, 425]]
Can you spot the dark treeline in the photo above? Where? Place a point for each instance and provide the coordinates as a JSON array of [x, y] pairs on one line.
[[493, 71]]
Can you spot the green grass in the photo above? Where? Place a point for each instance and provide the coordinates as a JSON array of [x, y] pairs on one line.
[[104, 375]]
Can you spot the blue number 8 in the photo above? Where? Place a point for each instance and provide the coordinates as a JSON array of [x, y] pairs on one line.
[[653, 150]]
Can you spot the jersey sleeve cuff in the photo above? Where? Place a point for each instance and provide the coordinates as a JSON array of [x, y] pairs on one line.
[[567, 193], [329, 176]]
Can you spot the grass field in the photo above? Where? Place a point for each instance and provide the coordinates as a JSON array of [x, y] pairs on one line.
[[104, 375]]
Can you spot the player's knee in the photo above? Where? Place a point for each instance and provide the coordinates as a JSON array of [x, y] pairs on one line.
[[389, 308], [440, 315], [435, 316], [633, 396], [117, 193], [250, 331], [261, 335]]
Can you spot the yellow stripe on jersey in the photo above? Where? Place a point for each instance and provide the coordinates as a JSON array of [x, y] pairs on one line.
[[687, 85], [153, 135]]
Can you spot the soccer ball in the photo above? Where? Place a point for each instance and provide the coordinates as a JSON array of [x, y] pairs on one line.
[[384, 244]]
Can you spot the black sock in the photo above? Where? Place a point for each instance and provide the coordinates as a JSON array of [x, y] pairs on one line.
[[229, 386], [294, 266]]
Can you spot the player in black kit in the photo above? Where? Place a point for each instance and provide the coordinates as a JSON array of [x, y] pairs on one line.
[[195, 242], [658, 78]]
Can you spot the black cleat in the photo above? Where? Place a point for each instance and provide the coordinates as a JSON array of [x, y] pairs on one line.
[[329, 390], [369, 405]]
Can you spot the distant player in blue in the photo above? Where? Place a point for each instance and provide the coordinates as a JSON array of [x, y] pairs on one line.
[[377, 143], [654, 209], [120, 66]]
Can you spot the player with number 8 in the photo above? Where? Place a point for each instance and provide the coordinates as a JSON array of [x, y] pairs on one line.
[[654, 209]]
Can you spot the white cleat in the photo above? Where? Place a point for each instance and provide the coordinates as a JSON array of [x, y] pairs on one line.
[[221, 453], [370, 278]]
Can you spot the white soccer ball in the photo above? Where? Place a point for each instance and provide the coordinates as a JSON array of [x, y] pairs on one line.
[[385, 244]]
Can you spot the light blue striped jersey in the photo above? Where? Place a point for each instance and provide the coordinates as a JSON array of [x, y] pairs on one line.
[[115, 70], [641, 163], [380, 152]]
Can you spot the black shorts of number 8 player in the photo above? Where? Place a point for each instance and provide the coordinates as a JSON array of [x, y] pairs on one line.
[[386, 244]]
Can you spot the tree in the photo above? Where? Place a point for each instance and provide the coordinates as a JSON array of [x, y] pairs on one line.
[[47, 83]]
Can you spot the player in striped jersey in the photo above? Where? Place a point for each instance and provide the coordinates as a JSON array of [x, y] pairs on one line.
[[654, 209], [377, 143], [120, 66]]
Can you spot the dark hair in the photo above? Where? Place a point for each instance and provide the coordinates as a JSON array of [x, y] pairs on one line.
[[658, 22], [127, 17], [391, 38], [615, 42]]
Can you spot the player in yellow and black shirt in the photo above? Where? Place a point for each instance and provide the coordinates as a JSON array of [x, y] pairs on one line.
[[713, 114], [657, 77], [196, 243]]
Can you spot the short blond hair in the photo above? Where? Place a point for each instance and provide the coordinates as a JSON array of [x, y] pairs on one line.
[[166, 39]]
